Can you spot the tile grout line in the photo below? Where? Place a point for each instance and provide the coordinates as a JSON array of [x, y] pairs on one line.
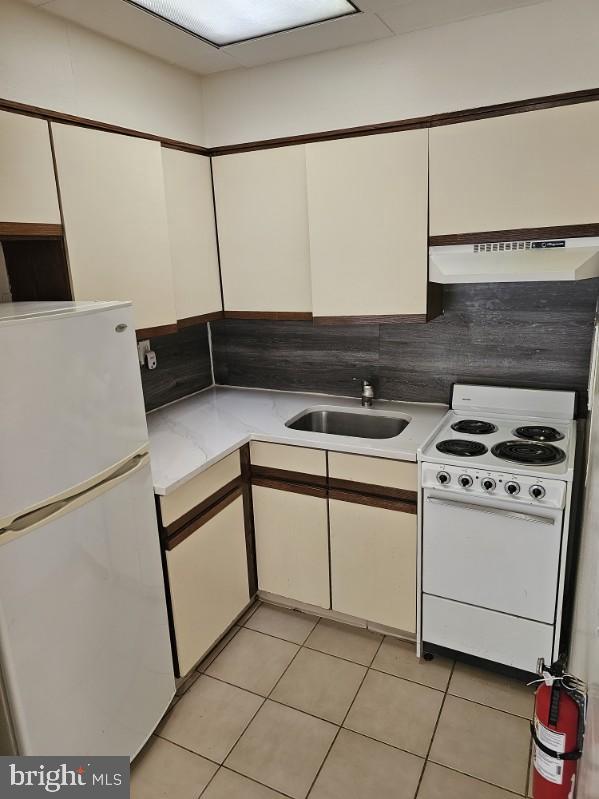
[[430, 746], [446, 692], [361, 734], [236, 742], [340, 726]]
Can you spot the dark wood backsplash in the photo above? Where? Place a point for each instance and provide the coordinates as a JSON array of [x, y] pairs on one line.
[[183, 366], [517, 334]]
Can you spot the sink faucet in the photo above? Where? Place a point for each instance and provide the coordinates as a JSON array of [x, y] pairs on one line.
[[367, 392]]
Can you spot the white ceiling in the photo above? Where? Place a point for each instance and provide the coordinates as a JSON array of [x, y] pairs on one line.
[[380, 18]]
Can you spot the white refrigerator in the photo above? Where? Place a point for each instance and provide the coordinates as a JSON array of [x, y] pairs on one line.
[[85, 656]]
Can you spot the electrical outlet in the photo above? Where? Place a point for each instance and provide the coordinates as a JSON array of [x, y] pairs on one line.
[[142, 348]]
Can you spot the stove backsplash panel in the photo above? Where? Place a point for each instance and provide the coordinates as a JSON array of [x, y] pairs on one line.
[[535, 335]]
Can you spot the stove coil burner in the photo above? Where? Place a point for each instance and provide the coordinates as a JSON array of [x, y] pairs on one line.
[[538, 433], [529, 452], [474, 427], [464, 449]]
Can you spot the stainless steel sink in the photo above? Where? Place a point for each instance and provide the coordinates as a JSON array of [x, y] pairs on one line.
[[360, 424]]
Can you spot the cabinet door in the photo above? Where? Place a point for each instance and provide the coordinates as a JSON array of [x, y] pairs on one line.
[[208, 583], [114, 209], [373, 563], [27, 183], [536, 169], [292, 550], [263, 230], [192, 233], [367, 210]]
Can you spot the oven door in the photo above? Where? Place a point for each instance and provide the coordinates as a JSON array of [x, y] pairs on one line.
[[492, 553]]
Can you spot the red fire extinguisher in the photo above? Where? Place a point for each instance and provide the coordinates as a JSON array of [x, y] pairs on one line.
[[557, 731]]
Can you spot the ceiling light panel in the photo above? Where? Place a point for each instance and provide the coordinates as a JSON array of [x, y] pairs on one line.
[[223, 22]]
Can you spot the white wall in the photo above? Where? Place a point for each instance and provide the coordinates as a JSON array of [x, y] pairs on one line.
[[49, 62], [527, 52]]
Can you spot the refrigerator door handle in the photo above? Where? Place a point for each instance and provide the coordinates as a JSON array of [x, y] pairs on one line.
[[29, 521]]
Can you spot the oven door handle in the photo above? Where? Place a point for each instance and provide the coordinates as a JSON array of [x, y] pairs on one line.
[[507, 514]]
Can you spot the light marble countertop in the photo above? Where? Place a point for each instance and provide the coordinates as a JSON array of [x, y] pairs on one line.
[[193, 433]]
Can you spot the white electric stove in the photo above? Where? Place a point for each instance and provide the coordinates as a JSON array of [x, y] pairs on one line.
[[496, 485]]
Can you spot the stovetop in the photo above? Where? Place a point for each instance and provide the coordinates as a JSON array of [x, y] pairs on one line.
[[543, 447]]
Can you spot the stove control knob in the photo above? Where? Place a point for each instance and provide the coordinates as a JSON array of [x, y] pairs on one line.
[[488, 484], [443, 478], [512, 487], [465, 481], [537, 492]]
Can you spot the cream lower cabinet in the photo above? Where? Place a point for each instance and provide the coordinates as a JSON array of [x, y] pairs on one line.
[[368, 223], [208, 576], [114, 210], [292, 551], [373, 563]]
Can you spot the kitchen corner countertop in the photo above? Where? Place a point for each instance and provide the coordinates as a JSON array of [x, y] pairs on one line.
[[189, 435]]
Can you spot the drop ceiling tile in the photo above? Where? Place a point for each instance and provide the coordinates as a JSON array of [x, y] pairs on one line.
[[134, 27], [328, 35], [419, 14]]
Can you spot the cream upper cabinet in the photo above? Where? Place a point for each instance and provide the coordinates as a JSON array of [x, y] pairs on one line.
[[535, 169], [373, 563], [367, 211], [192, 233], [114, 209], [263, 230], [27, 183]]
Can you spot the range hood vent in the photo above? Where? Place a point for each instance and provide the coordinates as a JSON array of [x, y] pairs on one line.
[[515, 261]]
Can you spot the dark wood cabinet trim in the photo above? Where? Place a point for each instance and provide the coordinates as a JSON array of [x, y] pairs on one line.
[[349, 490], [248, 516], [167, 590], [434, 301], [381, 319], [30, 230], [84, 122], [201, 507], [200, 521], [279, 316], [336, 484], [159, 330], [189, 321], [434, 120], [295, 488], [268, 473], [373, 501], [519, 234]]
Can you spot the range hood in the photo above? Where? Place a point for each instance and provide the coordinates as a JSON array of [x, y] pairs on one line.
[[515, 261]]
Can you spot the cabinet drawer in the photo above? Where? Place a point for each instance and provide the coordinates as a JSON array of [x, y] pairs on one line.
[[180, 502], [486, 634], [289, 458], [372, 473], [208, 583]]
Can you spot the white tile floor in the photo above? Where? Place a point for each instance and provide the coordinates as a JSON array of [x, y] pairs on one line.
[[290, 706]]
